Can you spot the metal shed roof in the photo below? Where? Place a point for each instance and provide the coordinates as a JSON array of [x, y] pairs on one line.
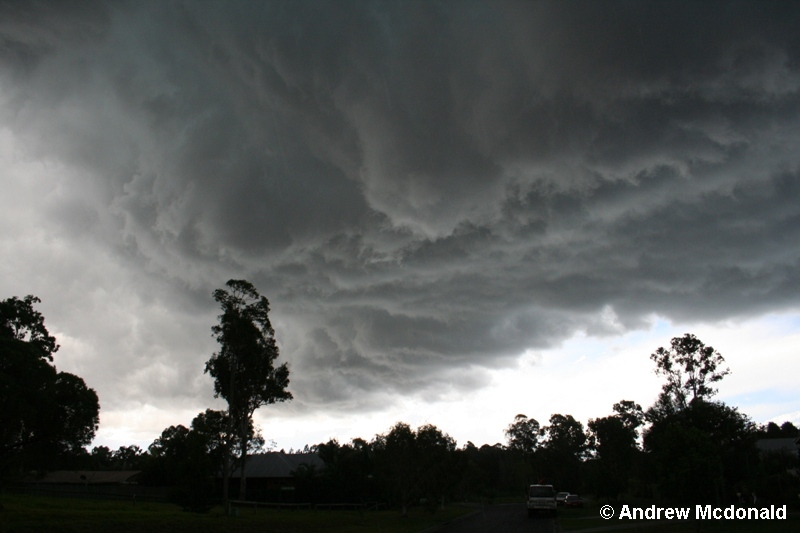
[[87, 477], [278, 464]]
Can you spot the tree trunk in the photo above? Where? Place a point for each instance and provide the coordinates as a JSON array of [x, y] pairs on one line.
[[226, 469], [243, 444], [226, 464], [226, 479]]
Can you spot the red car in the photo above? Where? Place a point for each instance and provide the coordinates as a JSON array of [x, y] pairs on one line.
[[573, 500]]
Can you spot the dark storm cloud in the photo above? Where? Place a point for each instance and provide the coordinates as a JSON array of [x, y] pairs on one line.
[[423, 189]]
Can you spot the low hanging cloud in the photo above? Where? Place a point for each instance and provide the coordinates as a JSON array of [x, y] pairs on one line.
[[424, 191]]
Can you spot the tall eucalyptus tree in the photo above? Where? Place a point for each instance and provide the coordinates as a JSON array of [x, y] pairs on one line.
[[244, 368]]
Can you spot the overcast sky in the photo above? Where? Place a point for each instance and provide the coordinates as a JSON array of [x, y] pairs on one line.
[[459, 211]]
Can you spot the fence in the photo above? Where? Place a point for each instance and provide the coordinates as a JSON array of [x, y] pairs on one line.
[[370, 506]]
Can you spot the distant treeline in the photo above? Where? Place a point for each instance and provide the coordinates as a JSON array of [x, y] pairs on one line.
[[685, 448], [710, 457]]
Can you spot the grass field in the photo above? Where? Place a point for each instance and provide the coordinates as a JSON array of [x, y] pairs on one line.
[[25, 513]]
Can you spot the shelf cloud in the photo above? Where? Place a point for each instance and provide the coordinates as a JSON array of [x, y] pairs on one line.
[[423, 190]]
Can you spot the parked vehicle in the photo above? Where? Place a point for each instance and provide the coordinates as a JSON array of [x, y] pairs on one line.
[[573, 500], [541, 498], [560, 497]]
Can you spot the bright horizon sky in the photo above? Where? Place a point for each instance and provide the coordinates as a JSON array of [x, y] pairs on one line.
[[459, 210], [558, 380]]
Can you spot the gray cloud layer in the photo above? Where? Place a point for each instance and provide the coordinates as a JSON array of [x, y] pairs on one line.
[[422, 189]]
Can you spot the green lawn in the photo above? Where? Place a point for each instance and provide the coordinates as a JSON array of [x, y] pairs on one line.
[[39, 513]]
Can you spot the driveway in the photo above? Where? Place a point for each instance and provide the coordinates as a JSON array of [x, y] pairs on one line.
[[511, 518]]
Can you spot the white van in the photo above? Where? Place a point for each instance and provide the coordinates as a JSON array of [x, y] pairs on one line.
[[541, 498]]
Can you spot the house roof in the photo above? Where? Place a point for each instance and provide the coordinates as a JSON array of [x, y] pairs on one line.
[[791, 445], [81, 477], [278, 464]]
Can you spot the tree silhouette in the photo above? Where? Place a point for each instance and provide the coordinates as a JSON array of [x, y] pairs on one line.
[[690, 368], [614, 444], [415, 463], [700, 454], [613, 441], [46, 414], [523, 434], [20, 321], [244, 369], [698, 448], [348, 474], [631, 415], [179, 459], [563, 450]]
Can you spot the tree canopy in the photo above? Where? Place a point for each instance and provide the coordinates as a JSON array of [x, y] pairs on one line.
[[613, 441], [20, 321], [417, 462], [690, 368], [523, 434]]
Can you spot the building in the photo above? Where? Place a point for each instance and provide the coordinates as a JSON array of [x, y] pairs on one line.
[[790, 445], [104, 484], [275, 476]]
